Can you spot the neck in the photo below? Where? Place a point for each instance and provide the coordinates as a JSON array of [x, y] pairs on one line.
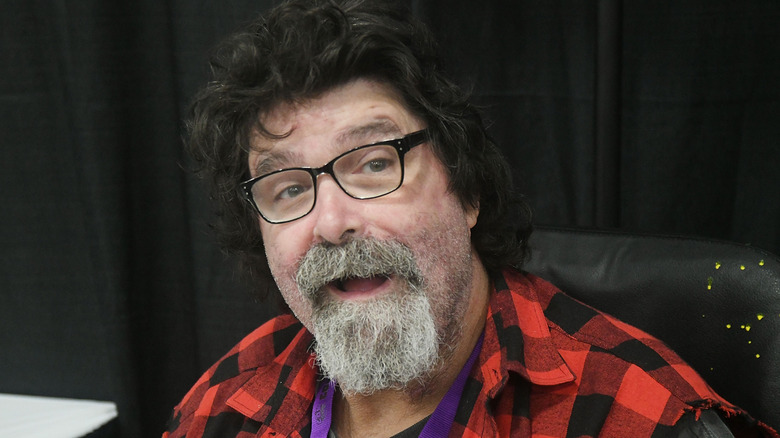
[[388, 412]]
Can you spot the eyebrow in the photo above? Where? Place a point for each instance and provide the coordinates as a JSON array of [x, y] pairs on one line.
[[383, 127], [276, 161], [365, 134]]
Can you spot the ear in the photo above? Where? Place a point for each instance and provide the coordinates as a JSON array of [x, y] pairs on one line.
[[472, 212]]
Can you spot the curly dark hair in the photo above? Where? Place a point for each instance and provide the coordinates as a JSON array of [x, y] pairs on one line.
[[304, 48]]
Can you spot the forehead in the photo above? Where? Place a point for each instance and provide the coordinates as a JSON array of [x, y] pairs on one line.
[[356, 113]]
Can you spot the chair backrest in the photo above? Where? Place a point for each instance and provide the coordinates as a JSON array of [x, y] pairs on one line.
[[717, 304]]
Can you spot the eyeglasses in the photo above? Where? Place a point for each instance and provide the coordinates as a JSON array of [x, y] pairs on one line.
[[365, 172]]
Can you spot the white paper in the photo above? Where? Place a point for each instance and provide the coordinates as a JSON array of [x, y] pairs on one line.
[[47, 417]]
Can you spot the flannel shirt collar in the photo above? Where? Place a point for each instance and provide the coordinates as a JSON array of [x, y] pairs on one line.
[[281, 406], [518, 338]]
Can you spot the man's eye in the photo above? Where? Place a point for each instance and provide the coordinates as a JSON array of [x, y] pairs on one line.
[[291, 192], [376, 165]]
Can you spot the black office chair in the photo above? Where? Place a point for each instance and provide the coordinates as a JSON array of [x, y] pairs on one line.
[[717, 304]]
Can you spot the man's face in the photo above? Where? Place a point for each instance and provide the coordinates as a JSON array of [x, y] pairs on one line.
[[422, 224]]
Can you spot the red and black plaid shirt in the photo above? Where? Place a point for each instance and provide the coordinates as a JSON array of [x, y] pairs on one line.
[[550, 366]]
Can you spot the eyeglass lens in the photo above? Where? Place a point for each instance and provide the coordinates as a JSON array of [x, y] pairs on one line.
[[364, 173]]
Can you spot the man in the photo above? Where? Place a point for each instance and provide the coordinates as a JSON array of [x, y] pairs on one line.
[[371, 194]]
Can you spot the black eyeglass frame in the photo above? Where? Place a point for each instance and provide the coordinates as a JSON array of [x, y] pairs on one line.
[[402, 146]]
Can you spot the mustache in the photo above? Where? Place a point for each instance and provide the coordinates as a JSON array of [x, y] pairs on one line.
[[356, 258]]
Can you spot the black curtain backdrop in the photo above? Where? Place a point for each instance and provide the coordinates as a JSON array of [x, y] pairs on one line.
[[643, 115]]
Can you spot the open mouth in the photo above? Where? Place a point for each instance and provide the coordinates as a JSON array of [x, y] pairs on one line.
[[359, 284]]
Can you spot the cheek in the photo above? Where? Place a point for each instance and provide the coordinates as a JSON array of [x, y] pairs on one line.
[[444, 241], [283, 247], [282, 255]]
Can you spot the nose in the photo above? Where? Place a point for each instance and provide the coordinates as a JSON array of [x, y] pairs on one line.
[[336, 215]]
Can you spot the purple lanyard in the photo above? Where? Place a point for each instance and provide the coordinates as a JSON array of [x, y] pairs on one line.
[[438, 425]]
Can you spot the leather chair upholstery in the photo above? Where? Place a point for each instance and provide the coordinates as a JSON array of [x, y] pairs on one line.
[[717, 304]]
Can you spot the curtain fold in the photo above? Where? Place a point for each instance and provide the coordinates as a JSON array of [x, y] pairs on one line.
[[606, 193]]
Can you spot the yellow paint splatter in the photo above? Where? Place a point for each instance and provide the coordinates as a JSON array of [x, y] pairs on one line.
[[757, 355], [747, 328], [750, 342], [761, 263], [742, 267], [717, 265], [709, 283], [760, 316], [742, 326], [728, 326]]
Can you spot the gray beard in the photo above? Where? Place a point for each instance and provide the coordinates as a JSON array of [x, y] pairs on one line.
[[390, 342]]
